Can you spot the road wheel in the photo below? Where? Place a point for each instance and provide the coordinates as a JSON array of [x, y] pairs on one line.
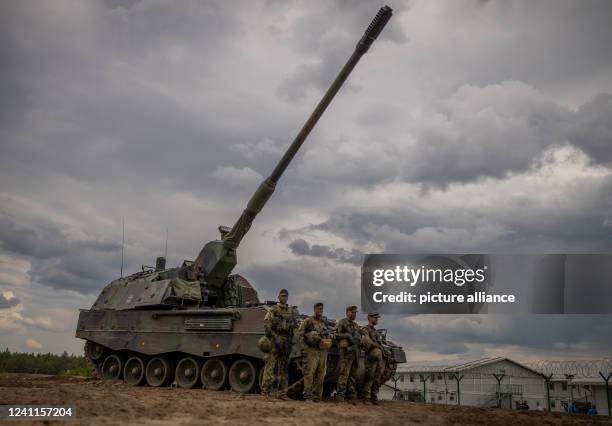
[[159, 372], [94, 350], [134, 371], [214, 374], [112, 367], [187, 373], [243, 376]]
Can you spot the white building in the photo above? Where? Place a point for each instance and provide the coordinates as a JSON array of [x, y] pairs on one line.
[[564, 391], [491, 382]]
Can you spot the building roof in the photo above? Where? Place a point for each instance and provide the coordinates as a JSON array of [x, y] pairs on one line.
[[458, 368]]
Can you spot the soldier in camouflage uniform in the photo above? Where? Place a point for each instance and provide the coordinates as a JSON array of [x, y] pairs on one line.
[[347, 335], [314, 361], [279, 325], [374, 361]]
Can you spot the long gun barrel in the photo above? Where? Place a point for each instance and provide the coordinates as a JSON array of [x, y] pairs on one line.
[[266, 188], [218, 258]]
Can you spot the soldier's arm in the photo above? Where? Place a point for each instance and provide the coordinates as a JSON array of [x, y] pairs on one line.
[[341, 330], [305, 326], [363, 332], [268, 324], [377, 339], [337, 330]]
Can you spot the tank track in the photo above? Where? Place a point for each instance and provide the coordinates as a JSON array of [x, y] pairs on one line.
[[240, 374]]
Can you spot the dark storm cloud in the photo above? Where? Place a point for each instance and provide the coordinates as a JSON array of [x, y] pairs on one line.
[[495, 130], [328, 36], [591, 129], [8, 302], [98, 92], [525, 221], [308, 281], [45, 241], [568, 46], [476, 132], [446, 335], [83, 266], [302, 248]]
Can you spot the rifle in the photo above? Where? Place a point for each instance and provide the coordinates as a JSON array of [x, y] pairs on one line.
[[287, 354], [355, 344]]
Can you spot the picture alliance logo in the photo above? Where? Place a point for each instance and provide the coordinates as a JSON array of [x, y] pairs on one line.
[[413, 276]]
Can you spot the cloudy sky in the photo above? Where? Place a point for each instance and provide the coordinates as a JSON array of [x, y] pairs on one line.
[[470, 126]]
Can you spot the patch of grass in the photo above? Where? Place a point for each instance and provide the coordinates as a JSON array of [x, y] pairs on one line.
[[86, 371]]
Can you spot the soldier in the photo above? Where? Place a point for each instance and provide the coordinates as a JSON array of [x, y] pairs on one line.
[[347, 334], [314, 352], [279, 325], [374, 362]]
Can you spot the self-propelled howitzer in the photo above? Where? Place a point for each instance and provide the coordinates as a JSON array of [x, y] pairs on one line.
[[198, 323]]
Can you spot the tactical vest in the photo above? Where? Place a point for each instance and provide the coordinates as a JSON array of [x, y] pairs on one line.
[[373, 335], [283, 320], [347, 326]]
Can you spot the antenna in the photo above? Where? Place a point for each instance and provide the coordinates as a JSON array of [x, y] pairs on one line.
[[166, 246], [122, 242]]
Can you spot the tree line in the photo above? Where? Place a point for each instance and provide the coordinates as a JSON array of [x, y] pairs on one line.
[[23, 362]]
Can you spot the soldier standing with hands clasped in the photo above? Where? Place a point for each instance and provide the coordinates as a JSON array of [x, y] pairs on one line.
[[374, 363], [279, 324], [347, 335], [314, 345]]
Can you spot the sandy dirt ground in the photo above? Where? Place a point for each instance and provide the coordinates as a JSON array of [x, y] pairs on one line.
[[108, 403]]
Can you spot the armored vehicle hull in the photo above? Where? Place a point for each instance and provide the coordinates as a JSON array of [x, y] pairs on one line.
[[214, 348]]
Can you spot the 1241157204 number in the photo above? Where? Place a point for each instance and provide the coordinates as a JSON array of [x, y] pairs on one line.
[[38, 411]]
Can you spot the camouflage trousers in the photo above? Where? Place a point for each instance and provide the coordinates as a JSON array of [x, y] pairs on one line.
[[275, 374], [348, 373], [374, 368], [314, 365]]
